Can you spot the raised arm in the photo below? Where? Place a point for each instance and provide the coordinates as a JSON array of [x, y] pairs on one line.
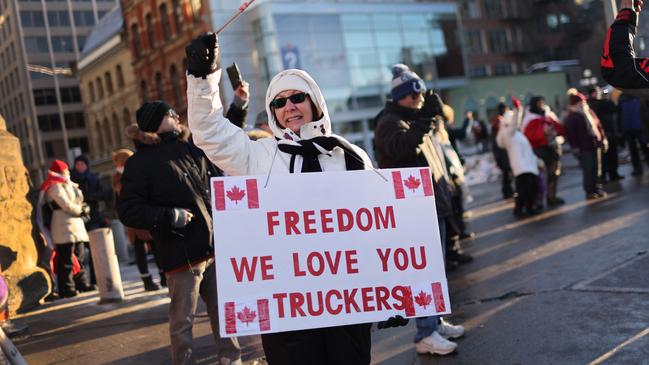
[[225, 144], [620, 67]]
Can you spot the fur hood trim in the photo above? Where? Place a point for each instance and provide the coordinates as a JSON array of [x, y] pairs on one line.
[[149, 138]]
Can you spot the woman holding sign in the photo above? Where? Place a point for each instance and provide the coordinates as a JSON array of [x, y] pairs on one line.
[[304, 142]]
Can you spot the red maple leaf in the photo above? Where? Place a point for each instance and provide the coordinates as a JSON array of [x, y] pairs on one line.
[[412, 183], [235, 194], [423, 299], [246, 315]]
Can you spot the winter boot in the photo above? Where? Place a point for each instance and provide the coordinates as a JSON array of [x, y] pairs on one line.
[[163, 279], [149, 285]]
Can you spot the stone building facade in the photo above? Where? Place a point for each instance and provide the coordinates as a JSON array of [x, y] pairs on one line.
[[108, 90]]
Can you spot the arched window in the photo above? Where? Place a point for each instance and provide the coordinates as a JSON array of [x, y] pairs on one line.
[[120, 76], [177, 13], [117, 130], [108, 136], [175, 86], [97, 138], [100, 88], [150, 34], [91, 91], [137, 44], [126, 119], [164, 19], [159, 86], [144, 91], [109, 82]]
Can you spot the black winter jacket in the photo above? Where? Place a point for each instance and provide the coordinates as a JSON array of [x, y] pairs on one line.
[[400, 140], [620, 67], [167, 172]]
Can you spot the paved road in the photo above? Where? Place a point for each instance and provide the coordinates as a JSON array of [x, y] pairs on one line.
[[569, 286]]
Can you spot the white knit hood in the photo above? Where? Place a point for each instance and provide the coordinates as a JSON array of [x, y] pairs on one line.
[[294, 79]]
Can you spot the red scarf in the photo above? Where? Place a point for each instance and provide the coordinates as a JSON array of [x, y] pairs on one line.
[[52, 178]]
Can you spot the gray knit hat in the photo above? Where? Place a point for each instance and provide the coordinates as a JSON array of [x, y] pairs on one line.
[[405, 82]]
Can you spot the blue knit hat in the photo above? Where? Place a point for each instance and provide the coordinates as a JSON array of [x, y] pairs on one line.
[[405, 82]]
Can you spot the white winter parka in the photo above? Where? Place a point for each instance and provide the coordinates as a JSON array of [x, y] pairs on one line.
[[229, 147], [521, 156], [67, 226]]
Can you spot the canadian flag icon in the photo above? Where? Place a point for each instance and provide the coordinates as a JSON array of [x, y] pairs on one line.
[[411, 184], [426, 299], [247, 317], [235, 194]]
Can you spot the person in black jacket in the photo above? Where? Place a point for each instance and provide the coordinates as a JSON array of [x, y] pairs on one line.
[[620, 67], [165, 190], [403, 138]]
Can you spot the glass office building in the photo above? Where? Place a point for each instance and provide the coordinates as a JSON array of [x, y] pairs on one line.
[[348, 48]]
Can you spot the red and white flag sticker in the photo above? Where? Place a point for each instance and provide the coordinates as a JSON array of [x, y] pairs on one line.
[[236, 194], [412, 185], [247, 317], [427, 299]]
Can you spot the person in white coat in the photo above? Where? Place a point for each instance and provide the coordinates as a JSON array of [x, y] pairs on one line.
[[66, 230], [522, 159], [303, 142]]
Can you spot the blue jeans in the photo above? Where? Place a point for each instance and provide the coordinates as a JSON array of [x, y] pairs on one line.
[[427, 325]]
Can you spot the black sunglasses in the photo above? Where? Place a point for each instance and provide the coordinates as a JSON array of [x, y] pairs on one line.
[[281, 102]]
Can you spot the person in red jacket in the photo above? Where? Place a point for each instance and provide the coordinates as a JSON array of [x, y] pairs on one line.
[[541, 127]]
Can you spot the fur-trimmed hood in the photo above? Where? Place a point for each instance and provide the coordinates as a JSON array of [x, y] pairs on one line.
[[149, 138]]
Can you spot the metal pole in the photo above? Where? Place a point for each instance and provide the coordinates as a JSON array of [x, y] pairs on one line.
[[610, 11]]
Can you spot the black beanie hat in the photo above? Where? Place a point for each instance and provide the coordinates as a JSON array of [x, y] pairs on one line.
[[150, 115], [83, 158]]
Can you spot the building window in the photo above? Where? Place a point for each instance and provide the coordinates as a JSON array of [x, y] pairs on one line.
[[135, 33], [177, 14], [109, 82], [45, 96], [497, 41], [470, 9], [126, 118], [100, 88], [32, 19], [175, 85], [144, 91], [81, 143], [108, 135], [502, 69], [120, 76], [54, 149], [84, 18], [474, 42], [49, 122], [116, 129], [493, 8], [70, 95], [150, 34], [36, 44], [159, 86], [74, 120], [98, 138], [164, 19], [58, 18], [91, 91], [62, 44], [478, 71]]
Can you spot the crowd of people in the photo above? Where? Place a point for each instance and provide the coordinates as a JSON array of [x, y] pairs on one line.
[[162, 193]]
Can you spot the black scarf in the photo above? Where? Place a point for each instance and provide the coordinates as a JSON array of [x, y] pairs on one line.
[[310, 153]]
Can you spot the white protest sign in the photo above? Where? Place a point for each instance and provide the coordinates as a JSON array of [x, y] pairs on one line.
[[326, 249]]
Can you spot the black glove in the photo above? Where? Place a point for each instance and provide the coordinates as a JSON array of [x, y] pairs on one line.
[[433, 105], [201, 55], [396, 321]]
